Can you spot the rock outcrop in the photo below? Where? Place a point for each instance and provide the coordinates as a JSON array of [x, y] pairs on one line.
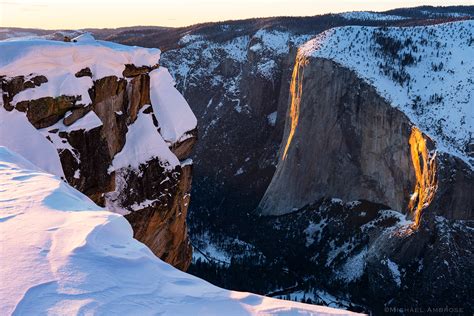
[[428, 267], [150, 185], [160, 225], [454, 197], [370, 253]]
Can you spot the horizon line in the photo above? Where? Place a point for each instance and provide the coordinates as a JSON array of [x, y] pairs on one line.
[[221, 21]]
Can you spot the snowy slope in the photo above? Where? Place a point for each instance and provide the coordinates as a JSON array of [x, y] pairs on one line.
[[63, 255], [373, 16], [202, 57], [431, 14], [427, 72]]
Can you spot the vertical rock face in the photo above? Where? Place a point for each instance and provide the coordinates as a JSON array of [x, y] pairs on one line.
[[454, 198], [347, 142], [161, 226], [111, 148], [342, 139], [110, 101]]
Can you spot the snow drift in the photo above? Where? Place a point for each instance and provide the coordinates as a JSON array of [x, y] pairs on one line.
[[63, 255]]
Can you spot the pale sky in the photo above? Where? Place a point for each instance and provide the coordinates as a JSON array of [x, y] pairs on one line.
[[75, 14]]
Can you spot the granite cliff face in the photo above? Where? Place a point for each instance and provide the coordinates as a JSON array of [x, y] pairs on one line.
[[348, 142], [353, 121], [110, 147], [454, 198]]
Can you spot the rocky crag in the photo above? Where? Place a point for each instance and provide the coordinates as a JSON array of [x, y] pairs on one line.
[[108, 137]]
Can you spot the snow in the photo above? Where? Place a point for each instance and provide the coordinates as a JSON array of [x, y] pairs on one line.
[[445, 14], [62, 255], [84, 38], [272, 117], [143, 204], [57, 85], [239, 171], [58, 142], [275, 41], [19, 135], [8, 33], [211, 252], [32, 52], [402, 221], [143, 143], [267, 68], [201, 58], [222, 253], [187, 162], [188, 38], [60, 61], [318, 296], [449, 121], [85, 123], [395, 272], [256, 47], [237, 48], [354, 267], [174, 115], [312, 230], [374, 16], [336, 250]]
